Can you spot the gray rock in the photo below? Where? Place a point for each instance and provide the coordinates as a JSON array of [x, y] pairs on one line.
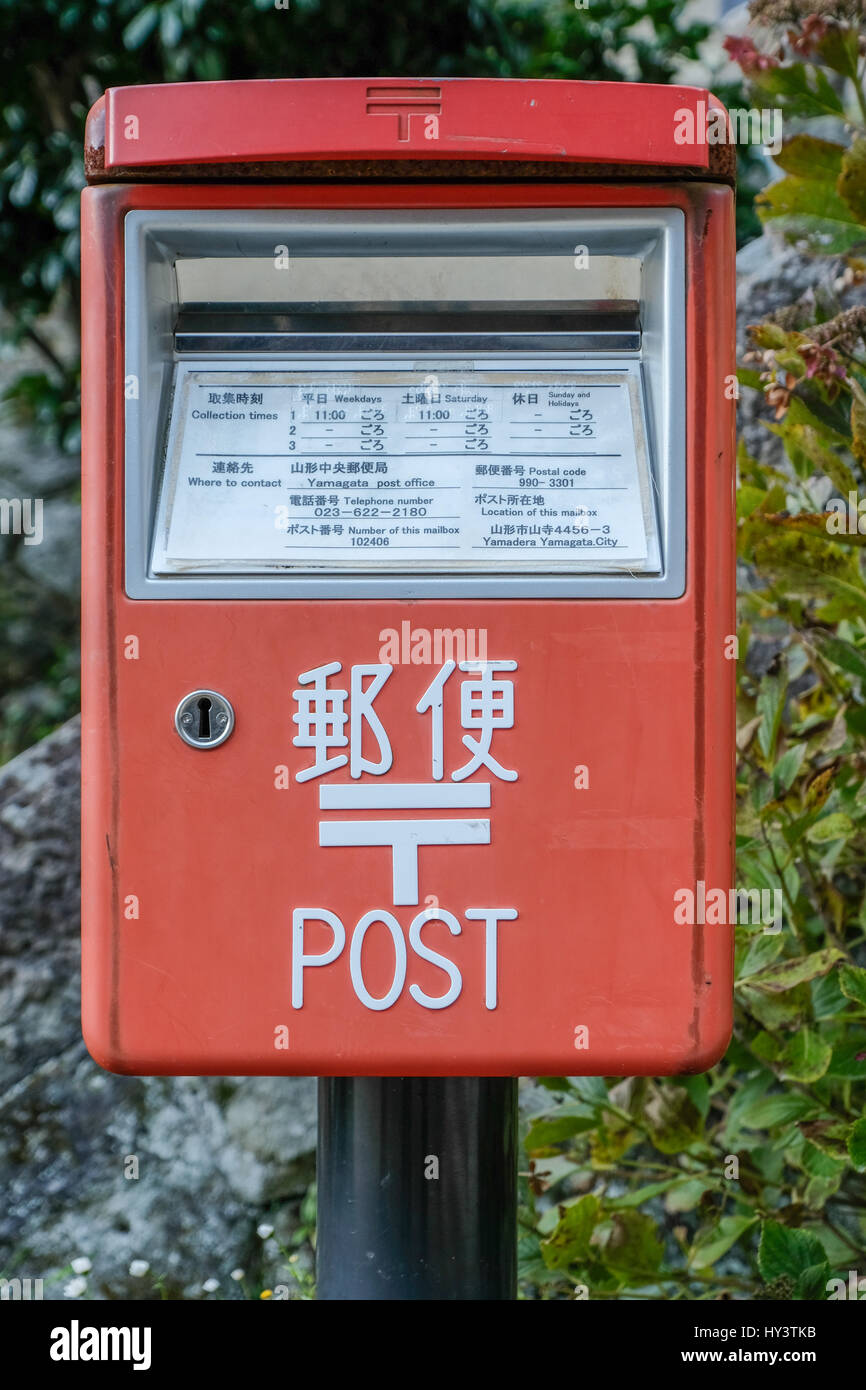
[[212, 1155], [27, 471], [771, 273], [56, 562], [764, 652], [272, 1141]]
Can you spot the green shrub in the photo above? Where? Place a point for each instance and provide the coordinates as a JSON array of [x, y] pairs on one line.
[[751, 1181]]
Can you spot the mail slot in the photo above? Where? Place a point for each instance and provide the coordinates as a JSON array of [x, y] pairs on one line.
[[408, 568]]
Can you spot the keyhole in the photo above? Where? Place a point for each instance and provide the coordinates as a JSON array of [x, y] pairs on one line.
[[204, 717]]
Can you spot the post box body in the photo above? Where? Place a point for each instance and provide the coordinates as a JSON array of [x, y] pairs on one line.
[[289, 903]]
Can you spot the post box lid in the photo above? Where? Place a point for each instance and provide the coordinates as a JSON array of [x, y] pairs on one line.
[[434, 127]]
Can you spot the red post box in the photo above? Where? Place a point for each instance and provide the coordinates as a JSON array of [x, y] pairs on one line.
[[408, 579]]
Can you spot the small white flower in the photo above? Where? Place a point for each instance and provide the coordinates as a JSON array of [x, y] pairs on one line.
[[75, 1288], [138, 1268], [264, 1230], [211, 1285], [82, 1265], [237, 1275]]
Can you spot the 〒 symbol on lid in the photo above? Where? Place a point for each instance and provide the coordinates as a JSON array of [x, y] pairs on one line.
[[385, 99]]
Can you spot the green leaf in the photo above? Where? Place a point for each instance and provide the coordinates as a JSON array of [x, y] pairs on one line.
[[684, 1196], [817, 413], [786, 1251], [546, 1131], [849, 1060], [807, 442], [777, 1011], [811, 158], [795, 195], [777, 1109], [819, 1190], [812, 1283], [631, 1245], [590, 1089], [798, 552], [807, 1056], [830, 1136], [744, 1095], [787, 974], [821, 236], [748, 499], [716, 1240], [674, 1120], [842, 654], [747, 377], [756, 950], [814, 211], [851, 595], [698, 1088], [138, 31], [24, 188], [770, 706], [788, 766], [765, 1046], [858, 434], [855, 721], [857, 1144], [839, 50], [553, 1168], [852, 180], [610, 1141], [792, 362], [568, 1243], [769, 335], [818, 1163], [836, 826], [852, 982], [803, 91], [170, 27], [827, 997]]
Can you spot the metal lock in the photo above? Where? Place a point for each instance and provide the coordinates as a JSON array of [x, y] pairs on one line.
[[204, 719]]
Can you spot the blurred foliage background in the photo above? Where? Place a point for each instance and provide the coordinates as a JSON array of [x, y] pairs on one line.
[[749, 1181]]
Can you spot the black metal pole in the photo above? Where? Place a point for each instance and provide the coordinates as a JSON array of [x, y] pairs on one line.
[[417, 1188]]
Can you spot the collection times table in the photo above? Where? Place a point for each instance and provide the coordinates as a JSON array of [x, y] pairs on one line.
[[469, 470]]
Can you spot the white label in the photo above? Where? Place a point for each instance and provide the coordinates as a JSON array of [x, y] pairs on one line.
[[338, 728], [457, 470]]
